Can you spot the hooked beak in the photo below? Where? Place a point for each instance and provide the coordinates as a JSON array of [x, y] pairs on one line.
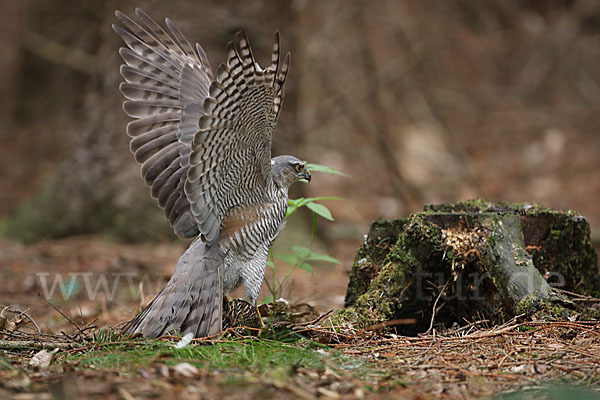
[[306, 174]]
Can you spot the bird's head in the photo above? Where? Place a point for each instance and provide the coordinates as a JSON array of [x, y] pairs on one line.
[[288, 170]]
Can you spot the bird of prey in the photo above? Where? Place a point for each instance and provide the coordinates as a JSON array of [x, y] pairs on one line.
[[204, 144]]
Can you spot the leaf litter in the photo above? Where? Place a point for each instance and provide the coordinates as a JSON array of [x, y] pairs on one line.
[[299, 354]]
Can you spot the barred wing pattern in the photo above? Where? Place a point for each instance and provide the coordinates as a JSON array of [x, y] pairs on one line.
[[230, 162], [166, 84]]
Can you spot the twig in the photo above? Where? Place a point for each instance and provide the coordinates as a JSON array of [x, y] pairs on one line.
[[469, 373], [580, 297], [64, 315], [20, 344], [529, 356], [316, 320], [7, 308], [505, 357], [32, 320], [381, 325], [324, 331], [333, 329], [435, 307]]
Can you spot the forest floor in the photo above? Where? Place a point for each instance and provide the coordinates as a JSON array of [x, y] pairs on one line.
[[67, 297]]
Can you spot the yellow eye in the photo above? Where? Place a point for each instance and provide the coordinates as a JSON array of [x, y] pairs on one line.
[[299, 168]]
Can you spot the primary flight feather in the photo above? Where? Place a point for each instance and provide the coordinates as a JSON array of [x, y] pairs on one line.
[[204, 144]]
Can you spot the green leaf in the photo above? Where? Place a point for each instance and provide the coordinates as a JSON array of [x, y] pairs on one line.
[[322, 168], [306, 267], [295, 204], [268, 299], [322, 257], [287, 258], [271, 265], [301, 251], [321, 210], [320, 198]]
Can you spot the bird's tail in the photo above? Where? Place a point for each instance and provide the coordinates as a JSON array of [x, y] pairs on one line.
[[192, 300]]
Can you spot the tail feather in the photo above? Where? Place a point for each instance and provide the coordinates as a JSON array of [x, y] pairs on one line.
[[192, 300]]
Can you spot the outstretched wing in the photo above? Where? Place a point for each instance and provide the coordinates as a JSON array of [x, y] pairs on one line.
[[166, 83], [230, 162]]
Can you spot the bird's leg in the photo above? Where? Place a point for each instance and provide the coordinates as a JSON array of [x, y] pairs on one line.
[[252, 292], [260, 321]]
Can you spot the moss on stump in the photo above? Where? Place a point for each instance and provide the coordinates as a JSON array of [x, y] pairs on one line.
[[479, 260]]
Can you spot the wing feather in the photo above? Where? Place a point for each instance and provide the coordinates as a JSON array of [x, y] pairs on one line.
[[152, 142], [166, 82], [203, 142], [230, 160], [135, 91]]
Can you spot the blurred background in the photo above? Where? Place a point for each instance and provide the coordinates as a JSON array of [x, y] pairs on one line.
[[418, 101]]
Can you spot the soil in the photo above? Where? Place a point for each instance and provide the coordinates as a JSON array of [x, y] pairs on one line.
[[475, 360]]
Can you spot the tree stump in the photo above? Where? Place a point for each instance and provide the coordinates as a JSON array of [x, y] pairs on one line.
[[471, 261]]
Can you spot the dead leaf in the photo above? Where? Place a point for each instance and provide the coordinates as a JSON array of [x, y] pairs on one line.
[[12, 324], [519, 369], [42, 358], [125, 395], [328, 393], [186, 369], [3, 319]]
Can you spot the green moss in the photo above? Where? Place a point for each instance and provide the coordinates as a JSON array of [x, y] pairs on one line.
[[551, 308], [379, 299], [409, 279], [528, 305], [565, 253], [380, 302], [403, 264], [481, 205], [371, 256], [277, 360], [235, 355]]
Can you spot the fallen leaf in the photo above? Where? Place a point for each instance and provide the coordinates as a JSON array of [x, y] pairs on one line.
[[3, 319], [186, 369], [125, 395], [328, 393], [42, 358], [5, 323], [519, 369]]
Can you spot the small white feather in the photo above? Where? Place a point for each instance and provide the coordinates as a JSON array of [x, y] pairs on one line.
[[185, 340]]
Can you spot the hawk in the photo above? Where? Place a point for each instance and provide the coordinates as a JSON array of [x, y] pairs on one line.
[[204, 144]]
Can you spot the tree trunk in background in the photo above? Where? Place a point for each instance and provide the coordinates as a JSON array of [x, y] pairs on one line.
[[98, 188], [89, 191], [10, 31]]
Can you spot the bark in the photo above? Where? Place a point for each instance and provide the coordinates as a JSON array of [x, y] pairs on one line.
[[473, 260]]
